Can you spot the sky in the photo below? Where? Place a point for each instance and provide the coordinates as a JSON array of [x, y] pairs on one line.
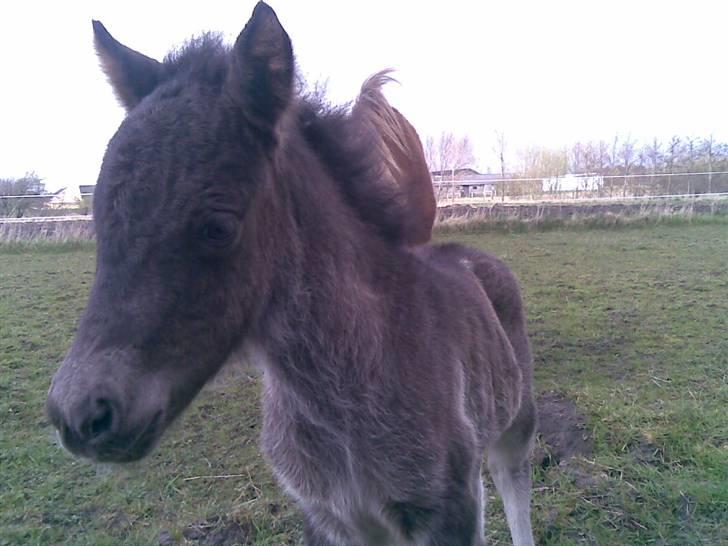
[[544, 73]]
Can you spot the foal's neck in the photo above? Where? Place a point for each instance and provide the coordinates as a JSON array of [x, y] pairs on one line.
[[327, 308]]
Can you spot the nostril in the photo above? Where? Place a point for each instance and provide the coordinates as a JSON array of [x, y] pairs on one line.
[[99, 420]]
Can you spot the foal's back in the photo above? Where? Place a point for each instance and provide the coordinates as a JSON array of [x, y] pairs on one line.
[[501, 341]]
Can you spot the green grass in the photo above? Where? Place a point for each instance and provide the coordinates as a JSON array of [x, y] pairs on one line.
[[630, 324]]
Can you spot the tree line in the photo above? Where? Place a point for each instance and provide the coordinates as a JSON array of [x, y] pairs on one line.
[[622, 165], [628, 166]]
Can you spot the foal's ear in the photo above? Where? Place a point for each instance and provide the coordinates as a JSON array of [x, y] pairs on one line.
[[132, 75], [261, 73]]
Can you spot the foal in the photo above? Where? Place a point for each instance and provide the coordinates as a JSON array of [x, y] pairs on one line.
[[231, 215]]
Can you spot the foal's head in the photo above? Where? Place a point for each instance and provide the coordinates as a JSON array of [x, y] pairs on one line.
[[182, 263]]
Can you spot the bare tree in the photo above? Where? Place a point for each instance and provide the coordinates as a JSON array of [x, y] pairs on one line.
[[601, 157], [626, 155], [653, 151], [651, 158], [500, 150], [462, 154], [431, 154], [613, 159], [576, 158], [448, 153], [529, 161], [581, 159], [690, 154], [708, 146], [601, 160], [436, 153], [672, 157]]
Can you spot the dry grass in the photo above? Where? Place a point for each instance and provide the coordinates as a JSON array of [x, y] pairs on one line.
[[48, 230], [544, 217]]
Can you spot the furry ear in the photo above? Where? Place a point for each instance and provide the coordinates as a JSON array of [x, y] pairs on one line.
[[262, 69], [132, 75]]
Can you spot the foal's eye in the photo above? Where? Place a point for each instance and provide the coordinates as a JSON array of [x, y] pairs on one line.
[[220, 230]]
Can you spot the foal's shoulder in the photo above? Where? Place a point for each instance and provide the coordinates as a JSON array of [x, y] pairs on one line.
[[456, 256], [449, 261], [491, 272]]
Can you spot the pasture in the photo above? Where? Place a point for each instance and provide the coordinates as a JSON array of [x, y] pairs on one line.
[[628, 328]]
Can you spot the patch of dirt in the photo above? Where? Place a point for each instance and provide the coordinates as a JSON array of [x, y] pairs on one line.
[[119, 520], [215, 531], [562, 430], [219, 532], [647, 452]]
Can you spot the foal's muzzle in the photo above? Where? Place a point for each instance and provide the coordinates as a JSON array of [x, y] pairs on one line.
[[98, 425]]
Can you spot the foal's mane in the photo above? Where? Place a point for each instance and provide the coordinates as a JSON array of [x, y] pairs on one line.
[[351, 148], [373, 108], [348, 141]]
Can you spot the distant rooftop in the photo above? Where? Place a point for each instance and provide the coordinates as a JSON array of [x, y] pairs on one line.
[[467, 174]]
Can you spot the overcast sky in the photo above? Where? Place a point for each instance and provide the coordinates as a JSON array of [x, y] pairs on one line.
[[545, 72]]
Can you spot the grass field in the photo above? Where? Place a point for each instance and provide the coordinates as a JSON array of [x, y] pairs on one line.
[[629, 326]]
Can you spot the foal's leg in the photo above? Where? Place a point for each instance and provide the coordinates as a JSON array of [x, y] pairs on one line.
[[460, 521], [509, 465], [459, 524], [480, 514]]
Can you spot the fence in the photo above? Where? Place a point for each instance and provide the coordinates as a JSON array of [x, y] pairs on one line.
[[487, 189], [582, 187], [59, 228]]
